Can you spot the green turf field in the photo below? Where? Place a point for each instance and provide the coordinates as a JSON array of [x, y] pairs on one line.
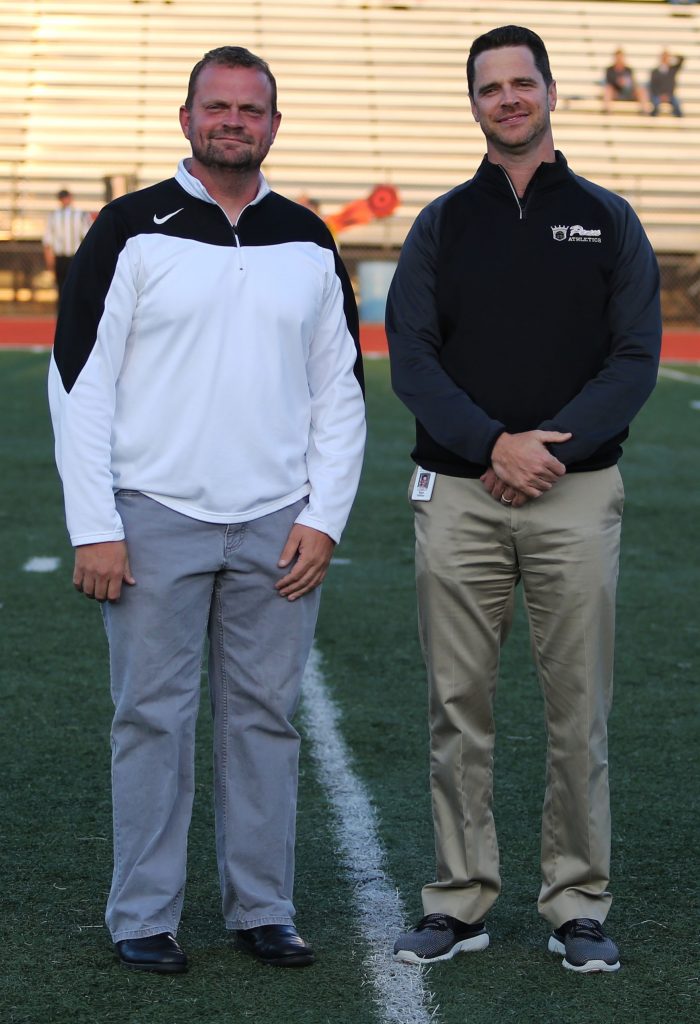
[[57, 961]]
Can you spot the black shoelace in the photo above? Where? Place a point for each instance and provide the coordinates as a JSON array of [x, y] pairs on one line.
[[433, 922], [586, 928]]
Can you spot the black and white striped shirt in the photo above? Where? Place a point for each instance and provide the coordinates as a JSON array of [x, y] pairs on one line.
[[65, 230]]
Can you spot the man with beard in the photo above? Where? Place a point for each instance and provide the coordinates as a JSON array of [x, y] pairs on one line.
[[524, 333], [206, 394]]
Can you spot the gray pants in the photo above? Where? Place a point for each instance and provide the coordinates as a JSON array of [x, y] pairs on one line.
[[193, 578]]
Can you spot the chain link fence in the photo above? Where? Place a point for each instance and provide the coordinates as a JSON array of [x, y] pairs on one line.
[[26, 287]]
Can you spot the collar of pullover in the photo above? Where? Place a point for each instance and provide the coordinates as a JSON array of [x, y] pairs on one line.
[[197, 189], [547, 175]]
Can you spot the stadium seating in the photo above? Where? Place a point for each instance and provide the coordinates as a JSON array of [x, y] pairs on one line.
[[371, 92]]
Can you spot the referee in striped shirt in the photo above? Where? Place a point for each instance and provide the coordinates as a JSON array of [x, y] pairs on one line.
[[65, 230]]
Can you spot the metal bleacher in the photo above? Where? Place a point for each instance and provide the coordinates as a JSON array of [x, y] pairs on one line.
[[371, 92]]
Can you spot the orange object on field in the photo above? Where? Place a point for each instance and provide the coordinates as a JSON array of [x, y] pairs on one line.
[[381, 202]]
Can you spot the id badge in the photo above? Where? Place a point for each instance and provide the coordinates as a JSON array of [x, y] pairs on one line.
[[423, 485]]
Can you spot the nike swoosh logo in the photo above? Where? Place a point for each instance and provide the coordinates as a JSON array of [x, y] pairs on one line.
[[162, 220]]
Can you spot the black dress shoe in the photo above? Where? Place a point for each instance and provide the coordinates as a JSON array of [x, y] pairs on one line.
[[278, 944], [159, 953]]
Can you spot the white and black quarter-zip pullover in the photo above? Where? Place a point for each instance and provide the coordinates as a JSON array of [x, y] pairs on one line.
[[213, 367]]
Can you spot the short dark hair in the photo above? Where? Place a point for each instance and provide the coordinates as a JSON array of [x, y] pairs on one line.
[[510, 35], [64, 194], [230, 57]]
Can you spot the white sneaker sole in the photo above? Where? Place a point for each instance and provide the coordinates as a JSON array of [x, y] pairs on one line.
[[473, 945], [590, 967]]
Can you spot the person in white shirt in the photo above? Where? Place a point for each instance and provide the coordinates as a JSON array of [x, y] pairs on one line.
[[66, 227]]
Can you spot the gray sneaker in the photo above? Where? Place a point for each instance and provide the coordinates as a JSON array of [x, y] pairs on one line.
[[439, 937], [585, 946]]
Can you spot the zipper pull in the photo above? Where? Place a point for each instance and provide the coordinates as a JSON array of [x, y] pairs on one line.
[[239, 248]]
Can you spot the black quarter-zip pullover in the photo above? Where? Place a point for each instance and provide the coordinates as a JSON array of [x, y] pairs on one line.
[[512, 314]]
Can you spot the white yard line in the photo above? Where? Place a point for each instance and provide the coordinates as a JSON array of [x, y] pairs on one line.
[[19, 346], [399, 991], [671, 374], [42, 564]]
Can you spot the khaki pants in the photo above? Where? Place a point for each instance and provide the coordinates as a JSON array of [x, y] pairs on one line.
[[470, 552]]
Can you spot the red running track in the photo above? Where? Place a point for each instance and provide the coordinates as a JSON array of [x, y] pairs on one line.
[[21, 332]]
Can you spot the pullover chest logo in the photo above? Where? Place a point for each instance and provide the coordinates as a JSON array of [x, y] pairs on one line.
[[575, 233], [162, 220]]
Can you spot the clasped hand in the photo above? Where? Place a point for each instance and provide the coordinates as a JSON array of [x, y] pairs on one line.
[[522, 467]]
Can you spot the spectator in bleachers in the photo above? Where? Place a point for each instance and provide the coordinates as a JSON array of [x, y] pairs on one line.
[[662, 84], [66, 227], [620, 84]]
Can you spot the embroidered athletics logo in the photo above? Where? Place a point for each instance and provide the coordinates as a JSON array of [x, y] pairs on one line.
[[162, 220], [575, 233]]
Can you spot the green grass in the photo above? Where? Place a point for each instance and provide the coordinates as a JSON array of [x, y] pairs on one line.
[[378, 679], [58, 965]]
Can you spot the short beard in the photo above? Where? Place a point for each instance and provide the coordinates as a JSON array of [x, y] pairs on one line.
[[212, 156]]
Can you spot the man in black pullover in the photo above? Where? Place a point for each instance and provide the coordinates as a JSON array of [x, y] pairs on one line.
[[524, 332]]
